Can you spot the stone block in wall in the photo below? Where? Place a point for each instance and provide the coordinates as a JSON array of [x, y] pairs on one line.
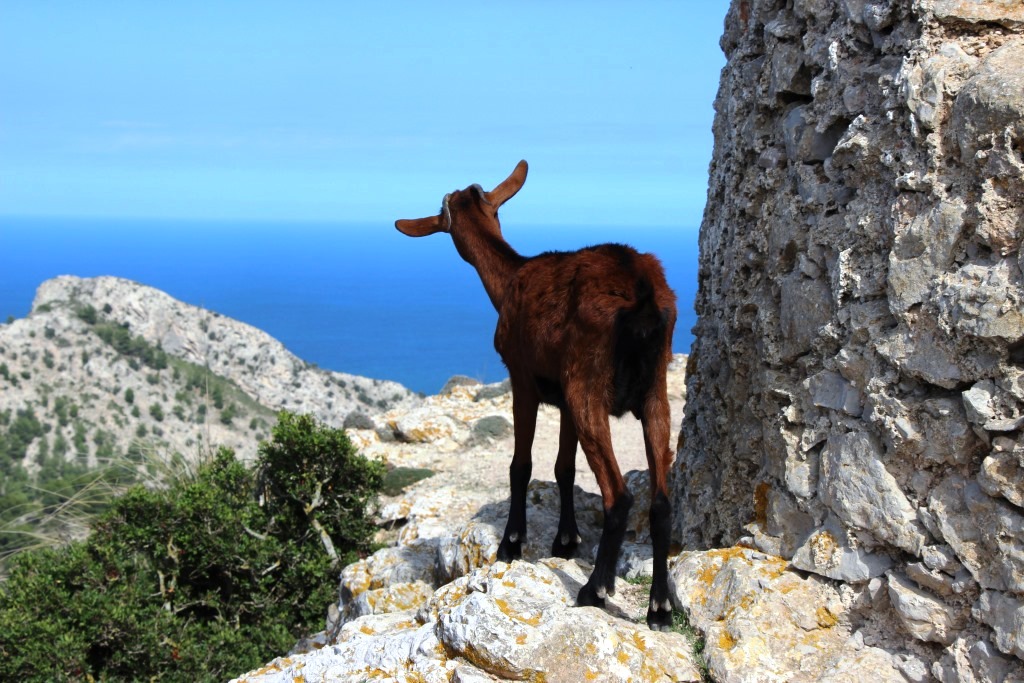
[[985, 301], [991, 408], [829, 390], [1002, 472], [1005, 12], [991, 103], [789, 74], [863, 494], [987, 534], [1005, 614], [925, 352], [805, 143], [805, 307], [831, 551], [922, 252], [924, 616]]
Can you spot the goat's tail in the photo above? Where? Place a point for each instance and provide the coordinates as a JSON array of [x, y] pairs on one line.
[[641, 334]]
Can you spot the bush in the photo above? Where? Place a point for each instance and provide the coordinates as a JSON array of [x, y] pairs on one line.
[[313, 480], [198, 581]]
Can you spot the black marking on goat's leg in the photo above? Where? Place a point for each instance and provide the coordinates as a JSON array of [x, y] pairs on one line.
[[524, 415], [602, 580], [567, 539], [511, 547], [659, 613]]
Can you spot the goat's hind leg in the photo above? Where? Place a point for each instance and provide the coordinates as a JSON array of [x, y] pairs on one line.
[[567, 539], [659, 458], [524, 415], [595, 437]]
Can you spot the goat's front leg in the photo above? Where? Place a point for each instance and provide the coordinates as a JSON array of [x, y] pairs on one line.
[[655, 420], [568, 537], [524, 416], [596, 439]]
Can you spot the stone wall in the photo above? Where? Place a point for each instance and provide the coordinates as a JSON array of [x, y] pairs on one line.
[[856, 391]]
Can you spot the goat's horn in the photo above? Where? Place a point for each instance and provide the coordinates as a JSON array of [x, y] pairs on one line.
[[508, 187]]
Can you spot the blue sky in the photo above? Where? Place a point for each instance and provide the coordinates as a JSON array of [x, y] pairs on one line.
[[354, 112]]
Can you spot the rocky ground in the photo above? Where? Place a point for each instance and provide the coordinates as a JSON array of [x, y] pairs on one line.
[[434, 605], [465, 435]]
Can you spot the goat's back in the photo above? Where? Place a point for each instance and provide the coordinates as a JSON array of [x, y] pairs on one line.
[[605, 311]]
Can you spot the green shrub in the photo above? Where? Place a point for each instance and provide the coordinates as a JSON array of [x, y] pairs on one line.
[[202, 580], [313, 479]]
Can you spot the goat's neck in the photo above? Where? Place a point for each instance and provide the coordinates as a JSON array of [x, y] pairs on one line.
[[494, 259]]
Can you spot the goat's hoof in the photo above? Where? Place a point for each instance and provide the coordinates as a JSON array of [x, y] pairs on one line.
[[659, 615], [588, 597], [659, 620], [565, 549], [509, 550]]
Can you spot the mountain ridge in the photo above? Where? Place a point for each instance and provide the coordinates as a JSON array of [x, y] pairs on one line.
[[221, 383]]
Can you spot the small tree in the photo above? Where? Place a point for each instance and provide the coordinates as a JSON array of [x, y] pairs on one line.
[[314, 482]]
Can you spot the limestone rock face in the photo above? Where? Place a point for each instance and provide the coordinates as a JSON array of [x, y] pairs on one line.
[[855, 401]]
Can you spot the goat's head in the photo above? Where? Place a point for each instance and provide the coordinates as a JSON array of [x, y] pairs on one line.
[[469, 206]]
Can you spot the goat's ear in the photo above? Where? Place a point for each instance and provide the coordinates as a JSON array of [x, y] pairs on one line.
[[419, 227], [509, 186]]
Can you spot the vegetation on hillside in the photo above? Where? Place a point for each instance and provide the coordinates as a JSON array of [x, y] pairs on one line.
[[210, 576], [58, 469]]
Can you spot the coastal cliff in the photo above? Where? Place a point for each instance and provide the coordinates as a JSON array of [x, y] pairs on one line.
[[856, 390], [113, 366]]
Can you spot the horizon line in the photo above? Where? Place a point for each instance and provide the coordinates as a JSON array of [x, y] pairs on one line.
[[310, 222]]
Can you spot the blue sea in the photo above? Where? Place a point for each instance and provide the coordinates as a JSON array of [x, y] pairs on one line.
[[361, 299]]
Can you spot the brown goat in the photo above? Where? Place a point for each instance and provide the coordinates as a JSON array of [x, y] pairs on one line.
[[590, 332]]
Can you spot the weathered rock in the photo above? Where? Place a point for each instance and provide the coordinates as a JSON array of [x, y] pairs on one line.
[[1005, 614], [922, 252], [986, 533], [1006, 12], [984, 301], [763, 622], [862, 493], [491, 427], [991, 103], [830, 390], [424, 425], [924, 616], [831, 551], [504, 622], [970, 660], [1002, 474], [991, 408]]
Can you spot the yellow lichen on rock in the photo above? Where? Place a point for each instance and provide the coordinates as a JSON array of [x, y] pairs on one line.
[[824, 550], [825, 617]]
